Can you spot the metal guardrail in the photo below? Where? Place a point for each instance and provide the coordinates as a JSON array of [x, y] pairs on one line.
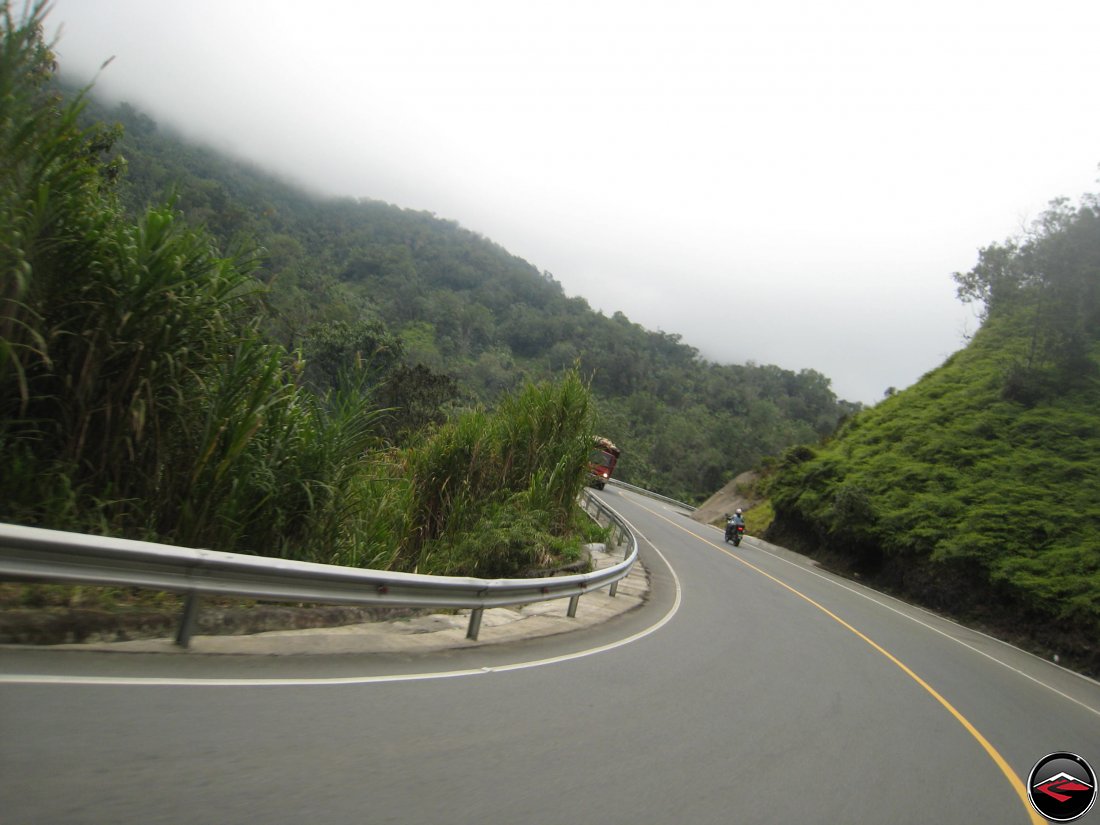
[[52, 555], [602, 514], [649, 494]]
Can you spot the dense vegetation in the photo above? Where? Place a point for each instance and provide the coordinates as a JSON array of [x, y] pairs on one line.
[[978, 489], [142, 393]]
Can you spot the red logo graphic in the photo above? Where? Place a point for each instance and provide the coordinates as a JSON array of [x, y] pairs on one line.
[[1062, 787]]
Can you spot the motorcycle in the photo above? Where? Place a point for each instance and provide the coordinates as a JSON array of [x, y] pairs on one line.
[[734, 531]]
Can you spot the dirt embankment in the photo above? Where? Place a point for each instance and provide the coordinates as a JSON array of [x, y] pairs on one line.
[[737, 493]]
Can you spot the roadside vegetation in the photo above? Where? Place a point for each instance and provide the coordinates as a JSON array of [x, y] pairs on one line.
[[977, 490], [142, 394]]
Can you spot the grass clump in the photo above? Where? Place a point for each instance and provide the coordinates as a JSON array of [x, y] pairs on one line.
[[506, 482]]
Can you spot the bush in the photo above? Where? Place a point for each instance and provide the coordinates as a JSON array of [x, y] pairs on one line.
[[503, 482]]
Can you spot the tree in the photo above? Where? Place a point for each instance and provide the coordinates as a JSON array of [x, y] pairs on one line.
[[336, 350], [1049, 280]]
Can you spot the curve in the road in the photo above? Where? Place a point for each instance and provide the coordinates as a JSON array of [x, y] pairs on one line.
[[993, 753], [678, 726]]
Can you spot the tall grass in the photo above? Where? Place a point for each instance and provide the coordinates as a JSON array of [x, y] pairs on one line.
[[137, 395], [490, 494]]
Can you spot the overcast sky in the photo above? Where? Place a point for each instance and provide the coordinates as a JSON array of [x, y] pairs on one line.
[[789, 182]]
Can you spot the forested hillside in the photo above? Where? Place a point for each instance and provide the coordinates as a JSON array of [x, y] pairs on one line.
[[452, 320], [977, 490]]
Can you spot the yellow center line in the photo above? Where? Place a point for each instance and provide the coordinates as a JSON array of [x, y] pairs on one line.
[[1010, 775]]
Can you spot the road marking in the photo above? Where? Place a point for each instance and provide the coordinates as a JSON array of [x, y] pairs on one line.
[[863, 594], [947, 635], [175, 681], [993, 753]]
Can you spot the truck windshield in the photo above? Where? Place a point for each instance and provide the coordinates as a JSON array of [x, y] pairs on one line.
[[601, 458]]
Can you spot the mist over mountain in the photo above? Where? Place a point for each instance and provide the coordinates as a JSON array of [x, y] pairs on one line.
[[444, 298]]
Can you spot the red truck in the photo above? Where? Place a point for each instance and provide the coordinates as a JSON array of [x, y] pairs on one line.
[[601, 461]]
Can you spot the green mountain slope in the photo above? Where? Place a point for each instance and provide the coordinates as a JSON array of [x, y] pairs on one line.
[[437, 296], [977, 490]]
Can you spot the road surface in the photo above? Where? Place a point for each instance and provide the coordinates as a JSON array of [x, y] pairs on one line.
[[752, 687]]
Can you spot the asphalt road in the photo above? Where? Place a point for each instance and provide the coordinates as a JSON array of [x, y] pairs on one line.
[[752, 687]]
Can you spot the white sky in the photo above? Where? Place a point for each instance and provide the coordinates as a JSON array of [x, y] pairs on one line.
[[789, 182]]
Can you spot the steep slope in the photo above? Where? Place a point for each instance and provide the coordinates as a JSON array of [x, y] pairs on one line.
[[977, 490]]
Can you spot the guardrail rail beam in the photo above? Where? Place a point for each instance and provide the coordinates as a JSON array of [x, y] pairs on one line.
[[37, 554]]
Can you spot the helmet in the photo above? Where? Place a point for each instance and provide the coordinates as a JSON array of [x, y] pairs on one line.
[[738, 511]]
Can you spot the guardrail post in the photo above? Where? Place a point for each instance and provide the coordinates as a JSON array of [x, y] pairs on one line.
[[188, 620], [614, 589], [475, 623], [573, 602]]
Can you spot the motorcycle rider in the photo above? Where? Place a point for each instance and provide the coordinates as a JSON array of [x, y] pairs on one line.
[[732, 522]]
